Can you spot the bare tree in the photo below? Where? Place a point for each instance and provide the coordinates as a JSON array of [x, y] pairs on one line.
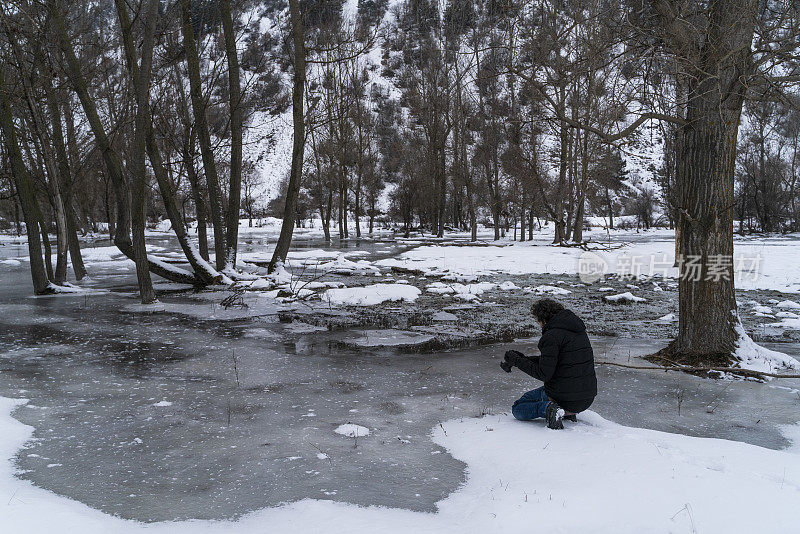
[[235, 97], [24, 183], [204, 137], [299, 143]]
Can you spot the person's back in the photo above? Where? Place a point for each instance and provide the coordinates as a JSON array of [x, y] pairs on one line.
[[566, 366]]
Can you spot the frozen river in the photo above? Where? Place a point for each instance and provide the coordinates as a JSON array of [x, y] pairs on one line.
[[171, 416]]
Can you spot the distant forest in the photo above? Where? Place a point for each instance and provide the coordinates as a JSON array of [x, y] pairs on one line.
[[421, 114]]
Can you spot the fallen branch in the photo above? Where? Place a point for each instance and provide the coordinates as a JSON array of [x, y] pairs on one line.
[[592, 245], [694, 369]]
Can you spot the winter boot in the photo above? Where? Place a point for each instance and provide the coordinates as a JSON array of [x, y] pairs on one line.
[[555, 414], [571, 417]]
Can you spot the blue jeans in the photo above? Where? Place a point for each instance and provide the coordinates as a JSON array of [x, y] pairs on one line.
[[531, 405]]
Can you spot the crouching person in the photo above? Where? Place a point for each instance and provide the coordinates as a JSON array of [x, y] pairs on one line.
[[566, 366]]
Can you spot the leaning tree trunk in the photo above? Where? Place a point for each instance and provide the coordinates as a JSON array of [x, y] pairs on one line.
[[204, 271], [203, 135], [50, 173], [299, 143], [188, 158], [197, 196], [25, 190], [120, 225]]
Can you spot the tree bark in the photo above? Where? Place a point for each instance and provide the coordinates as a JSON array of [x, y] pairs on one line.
[[65, 175], [203, 136], [188, 149], [197, 195], [298, 148], [708, 320], [138, 163], [234, 197], [25, 190], [44, 148]]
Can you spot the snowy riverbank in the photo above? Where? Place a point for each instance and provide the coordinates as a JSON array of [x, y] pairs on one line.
[[597, 476]]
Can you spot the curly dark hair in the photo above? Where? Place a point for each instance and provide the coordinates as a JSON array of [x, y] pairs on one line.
[[546, 309]]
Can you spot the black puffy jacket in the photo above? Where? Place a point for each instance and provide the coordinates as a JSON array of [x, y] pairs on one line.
[[566, 364]]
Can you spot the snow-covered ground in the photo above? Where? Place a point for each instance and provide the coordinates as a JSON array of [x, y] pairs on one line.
[[596, 476], [767, 264]]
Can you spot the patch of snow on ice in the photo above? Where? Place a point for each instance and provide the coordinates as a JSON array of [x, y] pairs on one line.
[[342, 265], [626, 297], [548, 290], [468, 292], [792, 323], [668, 318], [352, 431], [371, 295]]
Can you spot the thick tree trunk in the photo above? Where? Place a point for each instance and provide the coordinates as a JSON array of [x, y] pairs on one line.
[[138, 163], [560, 231], [530, 225], [708, 327], [203, 136], [234, 86], [299, 142], [577, 231], [25, 190], [707, 301]]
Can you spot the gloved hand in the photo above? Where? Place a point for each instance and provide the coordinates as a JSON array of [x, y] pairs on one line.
[[506, 366], [512, 355]]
